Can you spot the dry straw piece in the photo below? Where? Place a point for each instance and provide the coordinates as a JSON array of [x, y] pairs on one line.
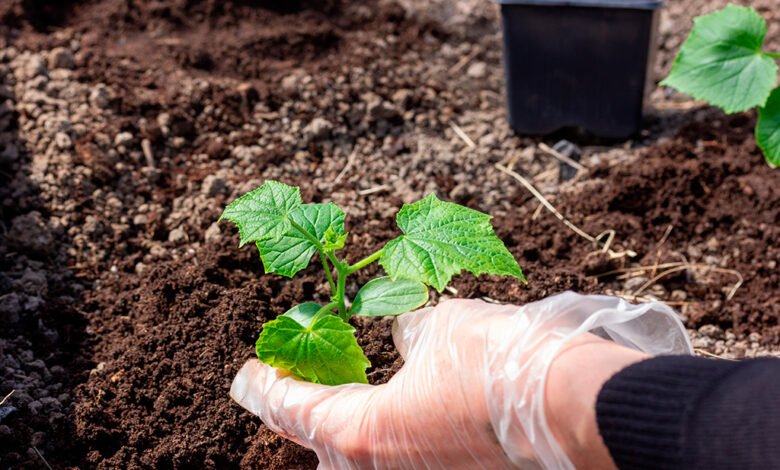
[[597, 240]]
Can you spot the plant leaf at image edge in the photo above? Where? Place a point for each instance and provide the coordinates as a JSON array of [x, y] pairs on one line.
[[768, 128], [722, 61]]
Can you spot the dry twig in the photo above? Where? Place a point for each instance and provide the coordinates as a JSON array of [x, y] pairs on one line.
[[595, 240], [463, 136], [546, 175], [658, 246], [347, 166], [671, 268], [554, 153], [665, 236], [709, 354], [42, 459], [374, 190], [610, 234], [464, 60], [146, 146], [538, 211], [635, 269], [679, 105], [7, 397]]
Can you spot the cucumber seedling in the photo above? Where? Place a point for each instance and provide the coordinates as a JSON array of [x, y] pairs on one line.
[[723, 63], [316, 342]]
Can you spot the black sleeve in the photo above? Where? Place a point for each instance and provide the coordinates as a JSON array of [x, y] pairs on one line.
[[679, 412]]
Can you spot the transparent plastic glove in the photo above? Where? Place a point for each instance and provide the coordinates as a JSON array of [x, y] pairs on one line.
[[471, 392]]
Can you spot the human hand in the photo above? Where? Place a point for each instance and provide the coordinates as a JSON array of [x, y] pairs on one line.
[[472, 391]]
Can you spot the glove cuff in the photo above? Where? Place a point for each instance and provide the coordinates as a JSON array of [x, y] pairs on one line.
[[519, 363]]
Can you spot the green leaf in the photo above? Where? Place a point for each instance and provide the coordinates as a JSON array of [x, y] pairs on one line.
[[441, 239], [293, 251], [768, 128], [721, 61], [303, 313], [326, 352], [334, 241], [384, 296], [262, 214]]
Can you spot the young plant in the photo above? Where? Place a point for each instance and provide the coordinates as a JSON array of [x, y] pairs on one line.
[[316, 342], [722, 62]]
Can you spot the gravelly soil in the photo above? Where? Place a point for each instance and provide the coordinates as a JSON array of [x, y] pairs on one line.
[[126, 126]]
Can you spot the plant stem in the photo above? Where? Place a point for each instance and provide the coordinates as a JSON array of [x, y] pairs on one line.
[[316, 243], [341, 284], [342, 271], [775, 55], [321, 312], [329, 275], [364, 262]]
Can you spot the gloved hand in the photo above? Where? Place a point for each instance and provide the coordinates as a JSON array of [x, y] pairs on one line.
[[474, 390]]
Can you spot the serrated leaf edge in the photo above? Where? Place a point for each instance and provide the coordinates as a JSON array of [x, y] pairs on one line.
[[670, 79], [243, 242]]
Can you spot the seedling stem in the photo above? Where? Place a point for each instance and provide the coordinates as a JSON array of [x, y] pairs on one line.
[[440, 239]]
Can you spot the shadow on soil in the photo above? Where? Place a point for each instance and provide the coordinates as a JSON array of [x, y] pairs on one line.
[[43, 339]]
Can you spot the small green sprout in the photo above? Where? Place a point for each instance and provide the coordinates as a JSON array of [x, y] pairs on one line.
[[316, 342]]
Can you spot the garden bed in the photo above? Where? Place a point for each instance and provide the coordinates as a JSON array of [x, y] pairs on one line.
[[126, 311]]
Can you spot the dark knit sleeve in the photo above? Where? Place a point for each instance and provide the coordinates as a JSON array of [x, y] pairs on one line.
[[678, 412]]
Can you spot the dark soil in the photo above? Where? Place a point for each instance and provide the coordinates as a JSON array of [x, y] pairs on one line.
[[712, 190], [175, 338], [141, 335]]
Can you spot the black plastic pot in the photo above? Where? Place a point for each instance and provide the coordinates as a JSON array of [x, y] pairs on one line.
[[579, 63]]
